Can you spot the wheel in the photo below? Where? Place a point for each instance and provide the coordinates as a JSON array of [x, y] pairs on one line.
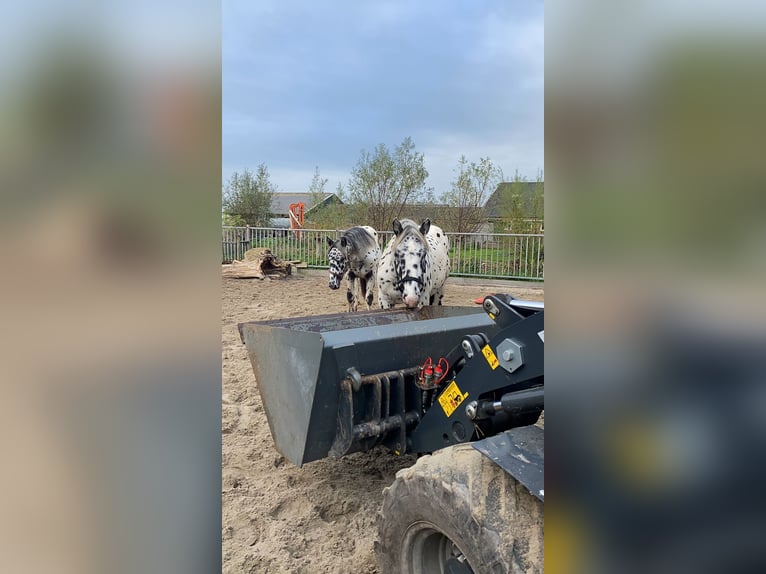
[[457, 512]]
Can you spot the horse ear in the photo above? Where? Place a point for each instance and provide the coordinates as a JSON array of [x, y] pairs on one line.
[[329, 241], [425, 226], [343, 241], [397, 227]]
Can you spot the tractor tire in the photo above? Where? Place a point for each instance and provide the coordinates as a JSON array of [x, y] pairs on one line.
[[458, 512]]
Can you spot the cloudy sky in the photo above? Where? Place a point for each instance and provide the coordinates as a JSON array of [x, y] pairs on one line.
[[310, 84]]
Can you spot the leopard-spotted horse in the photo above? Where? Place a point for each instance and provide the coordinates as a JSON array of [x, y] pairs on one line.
[[355, 254], [414, 265]]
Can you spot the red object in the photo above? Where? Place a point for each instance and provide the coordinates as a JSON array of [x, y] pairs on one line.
[[431, 375], [480, 300], [297, 217], [440, 370]]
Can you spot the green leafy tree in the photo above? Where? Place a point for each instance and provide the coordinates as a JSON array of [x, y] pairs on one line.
[[247, 197], [333, 216], [538, 203], [228, 220], [523, 210], [382, 183], [469, 192]]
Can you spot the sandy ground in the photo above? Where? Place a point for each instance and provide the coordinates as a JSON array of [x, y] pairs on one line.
[[278, 518]]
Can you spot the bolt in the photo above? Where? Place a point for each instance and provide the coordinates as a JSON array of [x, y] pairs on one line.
[[468, 349], [458, 431], [470, 409], [356, 378], [507, 355], [490, 307]]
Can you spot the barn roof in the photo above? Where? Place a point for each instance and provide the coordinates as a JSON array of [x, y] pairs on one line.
[[493, 208], [281, 201]]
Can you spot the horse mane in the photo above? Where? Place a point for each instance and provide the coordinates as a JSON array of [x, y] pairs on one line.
[[409, 227], [359, 240]]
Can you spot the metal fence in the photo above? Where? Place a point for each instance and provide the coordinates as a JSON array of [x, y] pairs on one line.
[[487, 255]]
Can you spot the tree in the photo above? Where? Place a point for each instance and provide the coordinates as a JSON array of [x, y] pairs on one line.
[[247, 197], [382, 183], [316, 189], [538, 203], [468, 193], [228, 220], [522, 204]]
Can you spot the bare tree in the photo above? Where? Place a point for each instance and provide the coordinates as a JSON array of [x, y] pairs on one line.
[[316, 189], [382, 183], [468, 194]]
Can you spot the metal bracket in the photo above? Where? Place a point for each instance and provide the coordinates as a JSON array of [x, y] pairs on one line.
[[510, 355], [521, 453]]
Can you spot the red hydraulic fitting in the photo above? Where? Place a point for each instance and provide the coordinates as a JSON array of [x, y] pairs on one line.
[[428, 375]]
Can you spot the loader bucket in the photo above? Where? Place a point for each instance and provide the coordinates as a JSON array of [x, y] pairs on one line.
[[300, 363]]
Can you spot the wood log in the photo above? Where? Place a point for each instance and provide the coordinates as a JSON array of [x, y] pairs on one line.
[[258, 263]]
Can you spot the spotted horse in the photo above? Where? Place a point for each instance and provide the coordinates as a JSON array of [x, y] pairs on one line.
[[355, 254], [414, 265]]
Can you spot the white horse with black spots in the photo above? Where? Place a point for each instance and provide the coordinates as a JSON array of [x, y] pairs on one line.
[[414, 265], [355, 254]]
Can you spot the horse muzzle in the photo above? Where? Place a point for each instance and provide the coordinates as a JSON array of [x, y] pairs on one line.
[[410, 293], [411, 302]]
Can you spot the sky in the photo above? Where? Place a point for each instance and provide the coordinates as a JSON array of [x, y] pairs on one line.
[[312, 84]]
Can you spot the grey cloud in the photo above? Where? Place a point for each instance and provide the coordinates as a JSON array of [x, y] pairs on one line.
[[315, 86]]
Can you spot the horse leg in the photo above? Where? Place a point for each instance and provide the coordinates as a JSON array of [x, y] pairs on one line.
[[350, 292], [383, 299], [436, 296], [367, 289], [361, 291], [382, 293]]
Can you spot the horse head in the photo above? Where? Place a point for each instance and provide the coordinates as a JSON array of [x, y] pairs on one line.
[[338, 259], [411, 259]]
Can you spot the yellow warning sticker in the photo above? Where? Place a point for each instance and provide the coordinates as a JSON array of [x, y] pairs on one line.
[[490, 356], [451, 398]]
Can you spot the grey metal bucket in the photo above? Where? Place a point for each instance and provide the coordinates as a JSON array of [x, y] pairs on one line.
[[299, 363]]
